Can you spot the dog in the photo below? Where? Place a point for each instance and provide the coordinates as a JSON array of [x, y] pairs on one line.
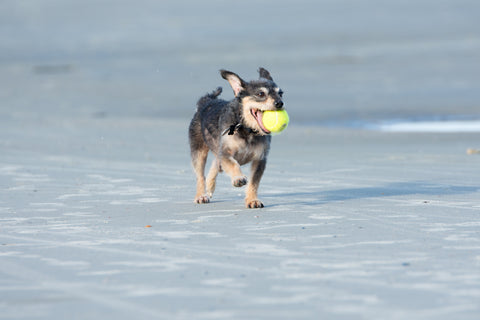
[[233, 131]]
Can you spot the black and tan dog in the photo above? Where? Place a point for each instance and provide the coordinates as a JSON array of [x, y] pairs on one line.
[[234, 132]]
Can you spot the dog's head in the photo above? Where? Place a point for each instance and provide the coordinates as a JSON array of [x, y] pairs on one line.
[[255, 97]]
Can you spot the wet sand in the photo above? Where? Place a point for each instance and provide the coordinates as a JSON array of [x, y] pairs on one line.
[[97, 218]]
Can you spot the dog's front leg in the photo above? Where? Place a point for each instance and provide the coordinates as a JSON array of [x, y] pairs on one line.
[[251, 200], [232, 168]]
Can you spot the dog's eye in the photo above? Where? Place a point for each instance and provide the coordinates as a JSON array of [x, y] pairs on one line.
[[280, 93], [261, 94]]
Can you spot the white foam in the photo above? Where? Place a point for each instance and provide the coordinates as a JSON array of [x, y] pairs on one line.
[[431, 126]]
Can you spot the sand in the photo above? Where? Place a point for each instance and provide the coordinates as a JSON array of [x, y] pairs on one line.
[[97, 219], [357, 224]]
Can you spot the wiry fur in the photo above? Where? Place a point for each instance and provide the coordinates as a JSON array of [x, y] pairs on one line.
[[232, 132]]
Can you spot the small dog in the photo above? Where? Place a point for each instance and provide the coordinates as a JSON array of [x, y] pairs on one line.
[[234, 132]]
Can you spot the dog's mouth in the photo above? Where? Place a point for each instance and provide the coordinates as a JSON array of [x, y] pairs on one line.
[[258, 114]]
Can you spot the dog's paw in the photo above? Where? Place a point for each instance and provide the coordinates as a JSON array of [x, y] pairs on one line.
[[239, 181], [254, 204], [202, 199]]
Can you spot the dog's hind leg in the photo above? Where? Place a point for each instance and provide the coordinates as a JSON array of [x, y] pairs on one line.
[[212, 177], [199, 153], [199, 159]]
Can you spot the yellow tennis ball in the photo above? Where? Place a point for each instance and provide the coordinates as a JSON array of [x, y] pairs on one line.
[[275, 121]]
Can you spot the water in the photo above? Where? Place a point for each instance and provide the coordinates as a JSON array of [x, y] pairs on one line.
[[430, 126], [337, 61]]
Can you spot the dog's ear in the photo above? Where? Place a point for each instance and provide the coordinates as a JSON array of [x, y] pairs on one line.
[[235, 81], [264, 74]]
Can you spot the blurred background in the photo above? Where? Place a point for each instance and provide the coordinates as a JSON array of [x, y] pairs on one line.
[[340, 62]]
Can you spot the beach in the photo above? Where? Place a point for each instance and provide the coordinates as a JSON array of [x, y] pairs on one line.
[[370, 213]]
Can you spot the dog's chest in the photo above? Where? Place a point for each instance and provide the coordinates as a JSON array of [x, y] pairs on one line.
[[245, 150]]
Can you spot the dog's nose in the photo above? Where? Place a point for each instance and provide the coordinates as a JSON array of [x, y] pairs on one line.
[[278, 104]]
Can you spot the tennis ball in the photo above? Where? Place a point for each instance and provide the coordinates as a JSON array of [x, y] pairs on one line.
[[275, 121]]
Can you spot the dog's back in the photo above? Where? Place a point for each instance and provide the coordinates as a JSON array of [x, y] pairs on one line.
[[204, 127], [207, 99]]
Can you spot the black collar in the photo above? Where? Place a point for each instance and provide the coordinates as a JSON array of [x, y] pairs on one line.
[[236, 128]]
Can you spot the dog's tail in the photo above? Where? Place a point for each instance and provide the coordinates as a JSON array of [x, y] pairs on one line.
[[208, 97]]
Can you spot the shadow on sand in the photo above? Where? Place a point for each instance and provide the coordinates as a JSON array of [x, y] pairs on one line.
[[389, 190]]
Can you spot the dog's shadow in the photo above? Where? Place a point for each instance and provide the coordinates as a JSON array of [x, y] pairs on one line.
[[388, 190]]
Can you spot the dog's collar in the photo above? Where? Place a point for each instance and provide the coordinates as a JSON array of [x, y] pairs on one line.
[[237, 127]]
